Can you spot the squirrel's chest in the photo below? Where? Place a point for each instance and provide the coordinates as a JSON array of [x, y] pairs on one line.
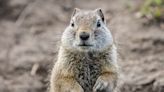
[[86, 73]]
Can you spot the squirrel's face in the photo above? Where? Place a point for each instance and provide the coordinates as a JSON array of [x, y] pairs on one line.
[[87, 32]]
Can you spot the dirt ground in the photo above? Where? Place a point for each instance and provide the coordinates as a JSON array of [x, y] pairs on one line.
[[30, 32]]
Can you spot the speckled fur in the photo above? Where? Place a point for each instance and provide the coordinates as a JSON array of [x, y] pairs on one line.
[[85, 68], [82, 69]]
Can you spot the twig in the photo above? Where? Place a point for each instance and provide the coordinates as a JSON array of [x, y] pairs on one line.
[[34, 69]]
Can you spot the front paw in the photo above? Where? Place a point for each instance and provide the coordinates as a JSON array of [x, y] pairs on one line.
[[76, 88], [102, 86]]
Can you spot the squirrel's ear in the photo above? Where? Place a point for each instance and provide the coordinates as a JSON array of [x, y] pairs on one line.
[[100, 13], [76, 10]]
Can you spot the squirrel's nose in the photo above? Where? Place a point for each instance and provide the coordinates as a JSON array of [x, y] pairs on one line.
[[84, 36]]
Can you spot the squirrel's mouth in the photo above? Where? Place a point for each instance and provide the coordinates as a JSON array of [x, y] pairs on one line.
[[84, 45]]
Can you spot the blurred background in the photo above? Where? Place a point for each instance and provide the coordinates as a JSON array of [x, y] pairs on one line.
[[30, 32]]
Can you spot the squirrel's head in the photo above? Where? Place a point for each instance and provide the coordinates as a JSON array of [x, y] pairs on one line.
[[87, 31]]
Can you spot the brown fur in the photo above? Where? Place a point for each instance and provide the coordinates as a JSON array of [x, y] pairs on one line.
[[91, 71]]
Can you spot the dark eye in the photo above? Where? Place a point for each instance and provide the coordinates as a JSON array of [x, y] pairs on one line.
[[72, 24], [98, 24]]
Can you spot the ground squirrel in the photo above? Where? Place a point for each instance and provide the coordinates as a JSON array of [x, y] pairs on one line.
[[87, 59]]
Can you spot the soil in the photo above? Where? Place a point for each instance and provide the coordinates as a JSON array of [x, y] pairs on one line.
[[30, 32]]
